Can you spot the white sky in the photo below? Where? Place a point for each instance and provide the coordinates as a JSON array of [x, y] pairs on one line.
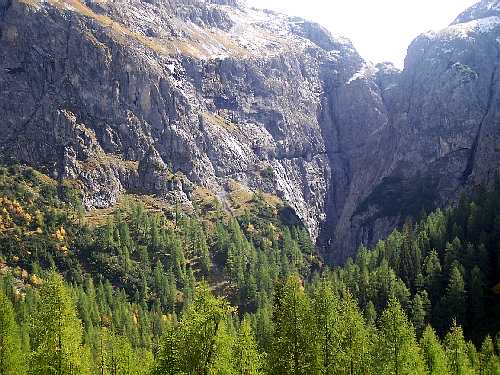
[[381, 30]]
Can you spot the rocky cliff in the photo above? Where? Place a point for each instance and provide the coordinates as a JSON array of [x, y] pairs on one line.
[[166, 96]]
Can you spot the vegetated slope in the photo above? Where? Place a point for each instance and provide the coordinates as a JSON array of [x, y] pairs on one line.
[[154, 253], [162, 97], [279, 311]]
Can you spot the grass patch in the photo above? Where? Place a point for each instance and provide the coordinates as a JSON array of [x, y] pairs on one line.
[[109, 159], [100, 216], [219, 121]]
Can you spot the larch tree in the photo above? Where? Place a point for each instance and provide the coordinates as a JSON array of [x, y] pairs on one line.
[[197, 343], [455, 298], [398, 352], [326, 313], [353, 354], [11, 362], [56, 333], [456, 351], [294, 349], [433, 353], [488, 360], [246, 357]]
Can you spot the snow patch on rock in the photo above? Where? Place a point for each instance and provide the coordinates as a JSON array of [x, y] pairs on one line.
[[464, 30], [366, 71]]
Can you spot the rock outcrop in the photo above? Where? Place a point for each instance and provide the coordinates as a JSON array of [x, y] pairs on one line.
[[163, 96]]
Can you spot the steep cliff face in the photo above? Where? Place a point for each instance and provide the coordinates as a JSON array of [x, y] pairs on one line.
[[443, 131], [165, 96]]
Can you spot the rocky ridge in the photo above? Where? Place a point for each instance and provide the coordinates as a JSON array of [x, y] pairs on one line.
[[164, 97]]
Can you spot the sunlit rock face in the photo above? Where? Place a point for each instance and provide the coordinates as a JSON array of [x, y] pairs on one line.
[[165, 96]]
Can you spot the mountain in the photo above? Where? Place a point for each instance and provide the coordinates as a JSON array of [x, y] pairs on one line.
[[173, 97]]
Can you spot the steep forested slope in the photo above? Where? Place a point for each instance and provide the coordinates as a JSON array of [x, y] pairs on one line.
[[133, 302]]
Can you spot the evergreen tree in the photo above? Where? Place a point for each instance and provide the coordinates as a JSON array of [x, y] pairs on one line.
[[418, 314], [489, 363], [454, 299], [11, 361], [353, 353], [398, 352], [326, 311], [294, 349], [246, 357], [477, 289], [456, 351], [433, 353], [198, 343], [57, 333]]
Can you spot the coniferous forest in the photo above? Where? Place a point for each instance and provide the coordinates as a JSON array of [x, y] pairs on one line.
[[144, 289]]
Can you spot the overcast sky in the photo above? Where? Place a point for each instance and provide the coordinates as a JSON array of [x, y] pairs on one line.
[[381, 30]]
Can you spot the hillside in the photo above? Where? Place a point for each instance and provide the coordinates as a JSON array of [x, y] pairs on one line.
[[244, 292], [125, 95], [197, 187]]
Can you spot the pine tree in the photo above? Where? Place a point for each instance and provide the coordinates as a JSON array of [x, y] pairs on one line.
[[57, 333], [433, 353], [11, 361], [398, 353]]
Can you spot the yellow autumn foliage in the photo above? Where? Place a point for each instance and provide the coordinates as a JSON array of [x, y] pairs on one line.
[[59, 234]]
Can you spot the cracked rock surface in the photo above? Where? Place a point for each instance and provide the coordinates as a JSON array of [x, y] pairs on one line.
[[163, 96]]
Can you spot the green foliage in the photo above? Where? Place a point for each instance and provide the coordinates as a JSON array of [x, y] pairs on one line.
[[11, 361], [440, 269], [197, 344], [456, 351], [433, 353], [247, 358], [56, 333], [398, 350], [293, 348], [132, 305], [397, 196]]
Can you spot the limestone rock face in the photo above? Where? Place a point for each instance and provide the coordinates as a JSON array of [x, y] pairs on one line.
[[163, 96], [444, 126]]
